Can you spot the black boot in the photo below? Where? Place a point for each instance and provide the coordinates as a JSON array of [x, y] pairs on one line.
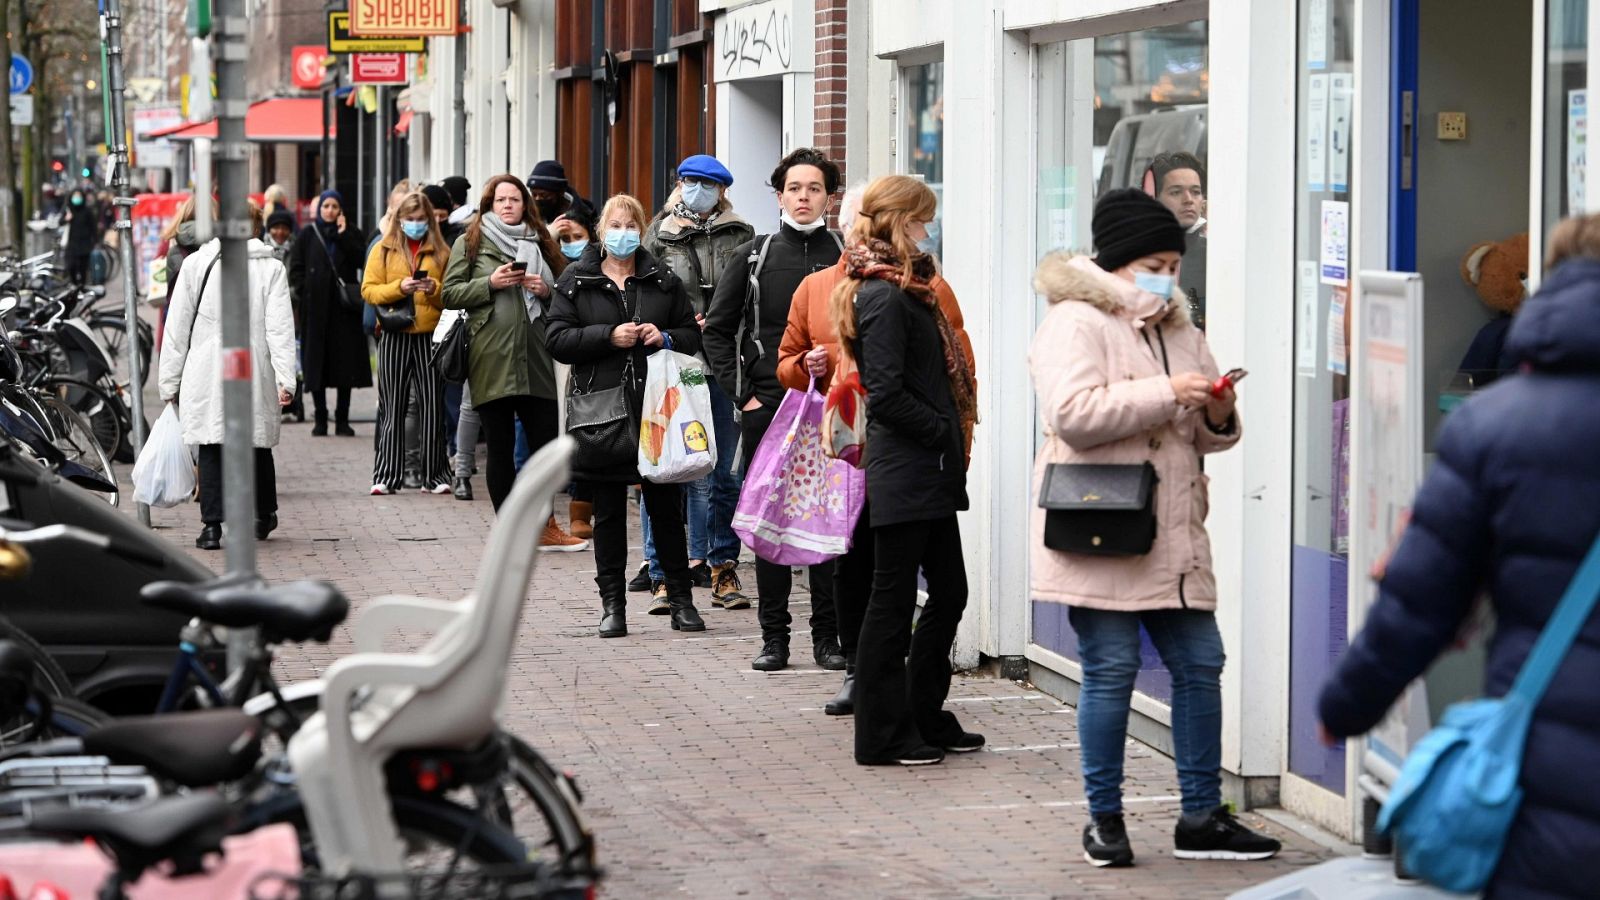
[[613, 605], [319, 426], [844, 702], [684, 616]]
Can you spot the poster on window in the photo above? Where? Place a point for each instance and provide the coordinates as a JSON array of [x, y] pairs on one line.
[[1317, 35], [1317, 134], [1577, 148], [1310, 287], [1341, 91], [1335, 242]]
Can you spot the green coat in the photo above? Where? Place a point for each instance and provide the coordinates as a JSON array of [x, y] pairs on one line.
[[506, 355]]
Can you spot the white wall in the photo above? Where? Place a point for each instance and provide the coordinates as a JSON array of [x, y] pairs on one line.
[[750, 143]]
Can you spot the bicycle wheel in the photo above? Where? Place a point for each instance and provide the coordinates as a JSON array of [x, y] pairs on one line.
[[546, 815], [74, 437], [438, 834], [112, 330], [95, 405]]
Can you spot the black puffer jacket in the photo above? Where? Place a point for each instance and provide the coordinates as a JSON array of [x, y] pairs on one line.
[[791, 256], [916, 467], [586, 307]]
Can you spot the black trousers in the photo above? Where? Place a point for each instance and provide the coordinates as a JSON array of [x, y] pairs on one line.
[[211, 484], [538, 416], [774, 582], [852, 585], [664, 504], [900, 701], [404, 374], [341, 412]]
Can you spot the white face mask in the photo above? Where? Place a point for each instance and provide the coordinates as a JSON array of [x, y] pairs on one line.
[[1160, 285], [788, 220]]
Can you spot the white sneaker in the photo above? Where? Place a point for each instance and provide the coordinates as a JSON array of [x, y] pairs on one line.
[[380, 488], [437, 489]]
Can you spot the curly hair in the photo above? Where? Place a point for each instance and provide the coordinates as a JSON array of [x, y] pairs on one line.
[[806, 156]]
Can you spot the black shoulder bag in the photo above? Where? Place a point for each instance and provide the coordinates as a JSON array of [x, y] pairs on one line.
[[602, 422], [1101, 510], [349, 294]]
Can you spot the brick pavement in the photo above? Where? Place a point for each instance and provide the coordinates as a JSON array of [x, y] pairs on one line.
[[707, 779]]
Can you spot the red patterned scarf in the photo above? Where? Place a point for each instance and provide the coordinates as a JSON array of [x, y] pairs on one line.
[[876, 259]]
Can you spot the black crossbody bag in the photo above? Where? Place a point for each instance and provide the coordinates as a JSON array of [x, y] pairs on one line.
[[1102, 510]]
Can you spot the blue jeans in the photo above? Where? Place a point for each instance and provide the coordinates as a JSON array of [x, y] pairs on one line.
[[520, 451], [712, 499], [1191, 648], [452, 416]]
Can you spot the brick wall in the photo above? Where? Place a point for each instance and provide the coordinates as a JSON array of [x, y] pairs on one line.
[[829, 85]]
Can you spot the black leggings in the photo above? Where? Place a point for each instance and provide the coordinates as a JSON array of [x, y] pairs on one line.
[[211, 504], [341, 411], [663, 503], [499, 417]]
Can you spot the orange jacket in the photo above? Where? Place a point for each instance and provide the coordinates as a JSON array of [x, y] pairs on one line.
[[809, 327]]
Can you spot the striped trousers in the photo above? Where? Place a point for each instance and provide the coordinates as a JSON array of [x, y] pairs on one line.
[[403, 368]]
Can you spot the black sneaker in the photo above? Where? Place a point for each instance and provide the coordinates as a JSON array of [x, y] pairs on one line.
[[828, 655], [773, 657], [641, 582], [968, 742], [1105, 842], [920, 756], [1222, 837], [700, 575]]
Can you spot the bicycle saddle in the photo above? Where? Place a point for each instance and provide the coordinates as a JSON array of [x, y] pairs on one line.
[[194, 749], [181, 828], [295, 611]]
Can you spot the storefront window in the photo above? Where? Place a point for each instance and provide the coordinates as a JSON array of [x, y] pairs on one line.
[[1566, 109], [924, 134], [1323, 216], [1107, 107]]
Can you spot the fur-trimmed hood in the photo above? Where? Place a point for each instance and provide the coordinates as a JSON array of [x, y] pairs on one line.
[[1065, 275]]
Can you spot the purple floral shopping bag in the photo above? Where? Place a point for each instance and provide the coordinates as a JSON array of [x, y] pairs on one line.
[[799, 506]]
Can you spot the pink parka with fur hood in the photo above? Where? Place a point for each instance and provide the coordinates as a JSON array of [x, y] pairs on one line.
[[1105, 397]]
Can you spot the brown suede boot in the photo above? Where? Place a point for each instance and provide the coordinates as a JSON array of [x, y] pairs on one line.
[[582, 515]]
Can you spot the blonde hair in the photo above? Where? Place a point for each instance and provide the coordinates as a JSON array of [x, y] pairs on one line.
[[1577, 236], [416, 202], [625, 203], [888, 205], [275, 198]]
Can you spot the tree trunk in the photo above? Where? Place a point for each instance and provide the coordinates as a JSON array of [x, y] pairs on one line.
[[9, 238]]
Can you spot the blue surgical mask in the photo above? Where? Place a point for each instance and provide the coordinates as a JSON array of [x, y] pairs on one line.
[[574, 249], [701, 198], [77, 200], [622, 242], [931, 243], [1160, 285], [414, 230]]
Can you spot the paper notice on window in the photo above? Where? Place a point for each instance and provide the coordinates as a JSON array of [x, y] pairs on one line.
[[1338, 348], [1307, 322], [1577, 149], [1335, 242], [1317, 35], [1341, 89], [1317, 134]]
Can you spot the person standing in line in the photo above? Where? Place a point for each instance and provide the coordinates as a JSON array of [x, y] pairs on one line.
[[810, 349], [190, 374], [552, 193], [443, 206], [83, 232], [696, 235], [804, 181], [178, 241], [1123, 377], [612, 308], [501, 273], [922, 399], [574, 229], [279, 234], [461, 211], [326, 253], [410, 247]]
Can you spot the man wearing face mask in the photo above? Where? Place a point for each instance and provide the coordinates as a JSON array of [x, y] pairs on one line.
[[696, 235], [744, 327], [552, 194]]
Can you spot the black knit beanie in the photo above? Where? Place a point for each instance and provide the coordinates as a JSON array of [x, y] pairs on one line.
[[1130, 224]]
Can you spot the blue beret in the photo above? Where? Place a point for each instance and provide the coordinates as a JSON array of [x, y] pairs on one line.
[[702, 166]]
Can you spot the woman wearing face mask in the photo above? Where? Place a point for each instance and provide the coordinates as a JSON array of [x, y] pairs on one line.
[[923, 400], [408, 262], [325, 256], [83, 232], [501, 273], [612, 308], [1123, 377]]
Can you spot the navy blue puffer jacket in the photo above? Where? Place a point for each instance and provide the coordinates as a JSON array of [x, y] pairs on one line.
[[1511, 505]]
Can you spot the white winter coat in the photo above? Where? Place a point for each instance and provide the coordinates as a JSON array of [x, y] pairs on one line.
[[191, 349]]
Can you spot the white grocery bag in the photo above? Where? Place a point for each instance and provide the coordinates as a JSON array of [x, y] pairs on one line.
[[164, 473], [676, 442]]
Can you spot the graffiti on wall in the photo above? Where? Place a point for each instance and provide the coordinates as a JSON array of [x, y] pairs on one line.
[[756, 40]]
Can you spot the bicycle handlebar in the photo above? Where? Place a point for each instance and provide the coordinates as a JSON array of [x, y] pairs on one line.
[[95, 539]]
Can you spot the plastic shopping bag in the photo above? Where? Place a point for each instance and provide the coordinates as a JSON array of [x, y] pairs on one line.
[[676, 442], [798, 506], [164, 473]]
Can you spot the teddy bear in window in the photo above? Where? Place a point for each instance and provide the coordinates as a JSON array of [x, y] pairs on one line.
[[1498, 271]]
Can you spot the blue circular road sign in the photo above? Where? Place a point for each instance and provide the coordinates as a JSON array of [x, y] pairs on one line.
[[21, 74]]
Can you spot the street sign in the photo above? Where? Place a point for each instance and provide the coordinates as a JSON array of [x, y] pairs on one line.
[[341, 41], [145, 90], [307, 66], [370, 18], [378, 68], [21, 109], [21, 74]]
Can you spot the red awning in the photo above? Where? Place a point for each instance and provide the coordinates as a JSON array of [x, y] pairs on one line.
[[402, 126], [283, 120]]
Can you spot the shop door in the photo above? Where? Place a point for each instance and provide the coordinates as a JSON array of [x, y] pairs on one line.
[[1565, 75]]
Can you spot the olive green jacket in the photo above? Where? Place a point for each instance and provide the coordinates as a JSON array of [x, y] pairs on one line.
[[506, 355]]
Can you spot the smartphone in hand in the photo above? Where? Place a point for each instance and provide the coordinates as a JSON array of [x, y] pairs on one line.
[[1233, 377], [520, 267]]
